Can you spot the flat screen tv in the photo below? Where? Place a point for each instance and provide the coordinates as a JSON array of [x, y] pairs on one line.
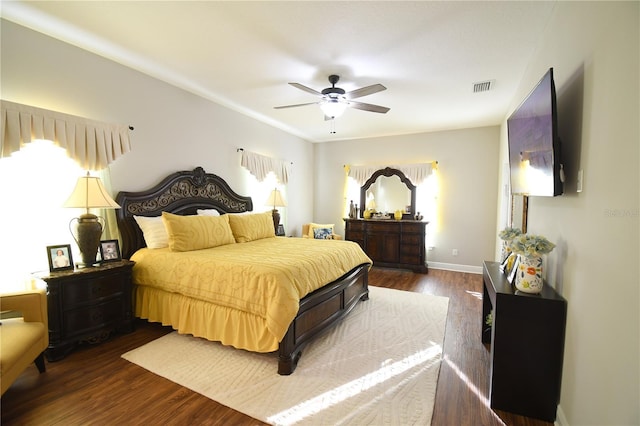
[[534, 145]]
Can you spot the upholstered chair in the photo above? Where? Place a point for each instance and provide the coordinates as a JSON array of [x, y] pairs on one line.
[[24, 337], [308, 231]]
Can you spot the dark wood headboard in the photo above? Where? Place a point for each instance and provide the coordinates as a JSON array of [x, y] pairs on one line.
[[179, 193]]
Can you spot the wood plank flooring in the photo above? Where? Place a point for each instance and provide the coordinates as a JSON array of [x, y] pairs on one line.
[[94, 386]]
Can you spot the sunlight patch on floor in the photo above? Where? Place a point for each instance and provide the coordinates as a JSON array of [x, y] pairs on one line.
[[354, 387], [472, 387], [476, 294]]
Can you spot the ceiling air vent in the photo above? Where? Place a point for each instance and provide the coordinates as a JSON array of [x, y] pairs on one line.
[[482, 86]]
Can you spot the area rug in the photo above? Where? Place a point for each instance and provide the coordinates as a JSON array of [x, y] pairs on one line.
[[380, 365]]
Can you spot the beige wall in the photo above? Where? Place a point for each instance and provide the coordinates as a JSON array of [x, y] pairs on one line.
[[593, 48], [468, 174], [174, 130]]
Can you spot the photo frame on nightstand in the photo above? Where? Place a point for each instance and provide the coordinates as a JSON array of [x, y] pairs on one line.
[[60, 257], [110, 251]]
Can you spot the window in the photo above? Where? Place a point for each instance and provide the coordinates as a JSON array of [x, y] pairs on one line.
[[34, 183]]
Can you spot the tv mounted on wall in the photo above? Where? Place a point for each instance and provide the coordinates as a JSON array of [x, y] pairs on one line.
[[534, 145]]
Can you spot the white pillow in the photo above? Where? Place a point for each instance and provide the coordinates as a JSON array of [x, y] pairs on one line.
[[208, 212], [153, 230]]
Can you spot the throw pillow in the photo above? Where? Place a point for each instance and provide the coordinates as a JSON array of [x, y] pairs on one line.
[[195, 232], [153, 231], [250, 227], [323, 233]]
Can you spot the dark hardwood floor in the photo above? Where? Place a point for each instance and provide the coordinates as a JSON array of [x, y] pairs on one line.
[[95, 386]]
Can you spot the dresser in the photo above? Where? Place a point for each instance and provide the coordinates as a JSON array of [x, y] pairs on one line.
[[87, 305], [390, 243]]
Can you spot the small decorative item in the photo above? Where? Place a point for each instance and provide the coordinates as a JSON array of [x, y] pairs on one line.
[[352, 210], [397, 215], [530, 249], [60, 258], [367, 214], [418, 216], [110, 251]]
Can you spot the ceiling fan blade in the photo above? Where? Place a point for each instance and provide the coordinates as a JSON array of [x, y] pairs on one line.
[[364, 91], [368, 107], [296, 105], [306, 89]]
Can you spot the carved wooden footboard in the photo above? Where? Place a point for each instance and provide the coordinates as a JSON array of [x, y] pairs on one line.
[[187, 191], [319, 311]]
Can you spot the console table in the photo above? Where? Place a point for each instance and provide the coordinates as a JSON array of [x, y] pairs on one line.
[[527, 346], [390, 243]]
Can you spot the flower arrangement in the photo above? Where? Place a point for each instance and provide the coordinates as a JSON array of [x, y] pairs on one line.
[[531, 245], [508, 234]]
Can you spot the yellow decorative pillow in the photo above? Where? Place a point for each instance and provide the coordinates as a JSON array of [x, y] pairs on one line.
[[250, 227], [188, 233], [313, 226]]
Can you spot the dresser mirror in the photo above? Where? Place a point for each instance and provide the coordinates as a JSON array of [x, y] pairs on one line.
[[390, 190]]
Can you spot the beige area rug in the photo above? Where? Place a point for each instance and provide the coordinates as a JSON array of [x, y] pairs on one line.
[[378, 367]]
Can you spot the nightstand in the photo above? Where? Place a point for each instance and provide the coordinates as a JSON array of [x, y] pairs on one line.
[[87, 305]]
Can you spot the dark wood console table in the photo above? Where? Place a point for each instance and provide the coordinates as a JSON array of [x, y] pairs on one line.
[[527, 346], [390, 243]]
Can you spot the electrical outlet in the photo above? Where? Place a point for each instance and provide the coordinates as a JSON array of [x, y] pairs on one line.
[[454, 252], [430, 248]]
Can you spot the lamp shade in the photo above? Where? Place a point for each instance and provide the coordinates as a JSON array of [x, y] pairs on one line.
[[276, 199], [333, 107], [90, 193]]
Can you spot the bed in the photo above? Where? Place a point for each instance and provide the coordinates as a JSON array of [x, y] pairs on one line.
[[186, 288]]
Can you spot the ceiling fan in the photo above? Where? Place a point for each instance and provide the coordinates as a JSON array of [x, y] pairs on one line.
[[334, 100]]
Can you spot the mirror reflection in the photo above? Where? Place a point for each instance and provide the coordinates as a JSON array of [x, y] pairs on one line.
[[386, 191], [388, 194]]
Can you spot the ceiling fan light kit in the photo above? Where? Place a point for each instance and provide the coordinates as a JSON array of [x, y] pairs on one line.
[[333, 108], [334, 100]]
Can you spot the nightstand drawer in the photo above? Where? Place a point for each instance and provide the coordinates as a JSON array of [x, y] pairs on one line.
[[93, 289], [79, 322]]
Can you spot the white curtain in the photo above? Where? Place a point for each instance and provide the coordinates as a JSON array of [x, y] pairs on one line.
[[416, 173], [260, 166], [94, 145]]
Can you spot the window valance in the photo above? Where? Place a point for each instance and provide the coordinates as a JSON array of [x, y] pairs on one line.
[[260, 166], [94, 145], [417, 173]]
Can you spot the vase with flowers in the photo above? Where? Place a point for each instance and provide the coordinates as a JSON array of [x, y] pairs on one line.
[[530, 249]]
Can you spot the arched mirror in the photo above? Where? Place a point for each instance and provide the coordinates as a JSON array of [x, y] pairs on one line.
[[388, 190]]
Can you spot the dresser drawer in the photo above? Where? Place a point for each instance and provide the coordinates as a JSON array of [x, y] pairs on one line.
[[78, 322], [383, 226], [355, 225], [90, 290], [415, 228]]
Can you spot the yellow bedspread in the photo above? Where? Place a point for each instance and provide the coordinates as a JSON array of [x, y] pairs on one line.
[[264, 278]]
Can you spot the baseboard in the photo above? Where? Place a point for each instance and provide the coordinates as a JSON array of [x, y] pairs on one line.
[[455, 267]]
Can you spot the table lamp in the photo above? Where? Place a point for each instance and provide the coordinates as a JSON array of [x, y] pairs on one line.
[[87, 229], [276, 200]]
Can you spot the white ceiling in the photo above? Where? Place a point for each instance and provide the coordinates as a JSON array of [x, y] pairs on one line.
[[243, 54]]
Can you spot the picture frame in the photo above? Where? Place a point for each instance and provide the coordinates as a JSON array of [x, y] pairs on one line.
[[110, 251], [60, 257], [514, 270]]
